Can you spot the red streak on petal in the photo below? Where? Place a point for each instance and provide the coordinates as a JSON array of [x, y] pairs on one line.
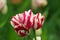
[[14, 23], [19, 18], [24, 17], [16, 19]]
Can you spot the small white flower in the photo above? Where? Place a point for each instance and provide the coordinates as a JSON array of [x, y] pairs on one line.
[[38, 3], [2, 3], [3, 6]]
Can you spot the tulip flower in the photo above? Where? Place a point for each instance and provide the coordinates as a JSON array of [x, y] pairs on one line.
[[22, 22], [38, 21]]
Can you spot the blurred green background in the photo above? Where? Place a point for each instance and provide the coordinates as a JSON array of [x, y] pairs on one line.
[[50, 29]]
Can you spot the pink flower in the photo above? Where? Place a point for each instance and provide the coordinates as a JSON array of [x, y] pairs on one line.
[[23, 22], [38, 21]]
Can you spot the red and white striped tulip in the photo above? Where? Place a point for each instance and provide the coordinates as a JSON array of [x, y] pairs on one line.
[[38, 21], [26, 20], [23, 22]]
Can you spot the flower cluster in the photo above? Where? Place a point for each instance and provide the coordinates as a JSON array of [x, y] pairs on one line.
[[23, 22]]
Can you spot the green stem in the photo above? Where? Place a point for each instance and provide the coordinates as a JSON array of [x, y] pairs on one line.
[[34, 34]]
